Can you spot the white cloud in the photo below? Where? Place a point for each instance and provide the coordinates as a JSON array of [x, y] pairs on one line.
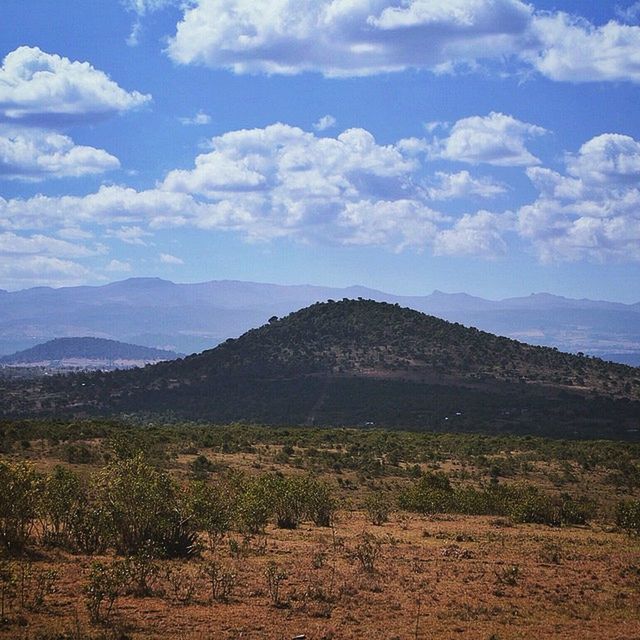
[[167, 258], [130, 235], [118, 266], [574, 50], [326, 122], [480, 234], [593, 212], [12, 244], [198, 119], [630, 14], [31, 270], [281, 181], [359, 37], [449, 186], [496, 139], [32, 154], [41, 88], [143, 7], [346, 37]]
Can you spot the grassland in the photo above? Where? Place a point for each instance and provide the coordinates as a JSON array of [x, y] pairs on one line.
[[436, 574]]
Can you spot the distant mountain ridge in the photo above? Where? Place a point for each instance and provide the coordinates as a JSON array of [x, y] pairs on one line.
[[359, 362], [86, 352], [192, 317]]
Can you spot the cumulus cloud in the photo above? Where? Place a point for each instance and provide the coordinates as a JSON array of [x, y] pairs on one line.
[[167, 258], [359, 37], [199, 119], [480, 234], [346, 37], [326, 122], [496, 139], [449, 186], [46, 89], [574, 50], [31, 154], [281, 181], [591, 212]]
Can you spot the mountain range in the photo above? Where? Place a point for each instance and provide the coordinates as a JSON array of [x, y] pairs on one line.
[[360, 362], [192, 317]]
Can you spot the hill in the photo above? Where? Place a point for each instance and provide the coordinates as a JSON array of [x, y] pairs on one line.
[[86, 353], [192, 317], [364, 362]]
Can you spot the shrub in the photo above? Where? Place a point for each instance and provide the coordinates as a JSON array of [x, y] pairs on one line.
[[430, 494], [628, 516], [19, 501], [220, 579], [143, 509], [275, 576], [89, 528], [254, 506], [211, 508], [378, 508], [321, 503], [61, 497], [368, 551], [106, 583]]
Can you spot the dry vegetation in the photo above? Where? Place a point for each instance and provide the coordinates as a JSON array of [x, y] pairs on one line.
[[412, 575]]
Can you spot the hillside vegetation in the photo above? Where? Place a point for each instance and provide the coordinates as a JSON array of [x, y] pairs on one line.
[[358, 361]]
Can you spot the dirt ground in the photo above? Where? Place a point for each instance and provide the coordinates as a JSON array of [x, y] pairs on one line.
[[458, 577]]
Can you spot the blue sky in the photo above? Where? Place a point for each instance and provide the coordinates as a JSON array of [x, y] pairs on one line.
[[486, 146]]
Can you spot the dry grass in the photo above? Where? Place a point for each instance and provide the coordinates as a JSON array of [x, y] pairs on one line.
[[447, 577]]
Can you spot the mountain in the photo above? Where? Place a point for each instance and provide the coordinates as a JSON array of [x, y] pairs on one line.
[[192, 317], [86, 353], [363, 362]]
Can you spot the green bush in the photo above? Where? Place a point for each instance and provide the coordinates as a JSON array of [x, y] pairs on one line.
[[211, 508], [628, 516], [63, 493], [20, 498], [143, 509], [321, 503]]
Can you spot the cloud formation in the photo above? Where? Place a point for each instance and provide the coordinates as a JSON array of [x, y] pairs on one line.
[[48, 90], [33, 154], [496, 139], [593, 211], [199, 119], [362, 37]]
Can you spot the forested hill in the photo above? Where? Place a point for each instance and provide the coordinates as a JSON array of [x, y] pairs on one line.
[[367, 338], [358, 362], [86, 349]]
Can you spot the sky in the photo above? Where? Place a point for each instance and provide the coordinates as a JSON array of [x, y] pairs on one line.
[[484, 146]]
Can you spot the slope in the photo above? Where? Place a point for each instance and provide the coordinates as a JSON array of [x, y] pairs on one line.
[[359, 361]]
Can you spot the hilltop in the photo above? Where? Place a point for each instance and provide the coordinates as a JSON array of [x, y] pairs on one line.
[[360, 361], [192, 317], [86, 352]]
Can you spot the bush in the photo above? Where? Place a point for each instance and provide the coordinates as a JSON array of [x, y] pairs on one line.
[[431, 494], [211, 508], [628, 516], [378, 508], [143, 509], [321, 503], [19, 501], [106, 583], [62, 495]]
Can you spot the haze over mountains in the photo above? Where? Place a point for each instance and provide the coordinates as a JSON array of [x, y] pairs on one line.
[[192, 317]]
